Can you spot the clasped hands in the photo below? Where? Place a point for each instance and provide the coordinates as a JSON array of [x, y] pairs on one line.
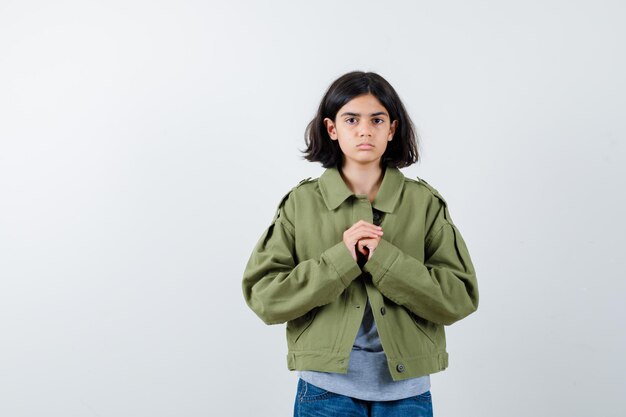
[[363, 237]]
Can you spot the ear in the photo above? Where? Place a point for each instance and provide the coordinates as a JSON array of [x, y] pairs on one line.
[[330, 128], [392, 129]]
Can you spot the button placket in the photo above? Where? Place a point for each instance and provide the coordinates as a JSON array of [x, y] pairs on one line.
[[362, 209]]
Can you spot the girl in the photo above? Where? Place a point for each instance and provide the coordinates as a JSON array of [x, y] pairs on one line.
[[363, 264]]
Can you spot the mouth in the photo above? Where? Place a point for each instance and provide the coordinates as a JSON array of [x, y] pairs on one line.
[[365, 146]]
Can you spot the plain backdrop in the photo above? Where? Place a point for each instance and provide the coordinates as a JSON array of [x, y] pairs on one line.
[[145, 145]]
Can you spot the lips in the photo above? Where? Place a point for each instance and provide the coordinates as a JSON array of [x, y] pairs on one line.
[[365, 146]]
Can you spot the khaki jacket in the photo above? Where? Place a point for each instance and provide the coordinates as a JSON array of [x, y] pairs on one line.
[[419, 278]]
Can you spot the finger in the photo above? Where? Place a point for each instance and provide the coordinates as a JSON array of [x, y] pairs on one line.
[[364, 231], [362, 225], [358, 235], [369, 227], [364, 246], [359, 246]]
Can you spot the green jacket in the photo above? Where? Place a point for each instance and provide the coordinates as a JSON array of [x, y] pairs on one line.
[[419, 278]]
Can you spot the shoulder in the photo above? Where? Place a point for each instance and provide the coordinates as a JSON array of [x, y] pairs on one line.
[[305, 185], [420, 185], [436, 207], [437, 204]]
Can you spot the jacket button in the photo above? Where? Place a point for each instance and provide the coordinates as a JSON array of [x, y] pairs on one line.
[[383, 311], [400, 367]]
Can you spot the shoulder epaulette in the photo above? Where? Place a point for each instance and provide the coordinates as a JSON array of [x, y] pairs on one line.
[[432, 190], [307, 179], [446, 211], [282, 200]]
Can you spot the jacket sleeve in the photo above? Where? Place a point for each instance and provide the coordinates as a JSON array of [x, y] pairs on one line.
[[277, 289], [443, 289]]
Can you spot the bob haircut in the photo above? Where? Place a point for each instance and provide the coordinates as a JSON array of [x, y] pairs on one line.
[[401, 151]]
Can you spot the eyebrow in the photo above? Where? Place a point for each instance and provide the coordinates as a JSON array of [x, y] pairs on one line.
[[380, 113]]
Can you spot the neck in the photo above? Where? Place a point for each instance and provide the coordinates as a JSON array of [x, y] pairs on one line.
[[363, 179]]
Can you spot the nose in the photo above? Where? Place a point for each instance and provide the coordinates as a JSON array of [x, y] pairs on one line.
[[365, 131]]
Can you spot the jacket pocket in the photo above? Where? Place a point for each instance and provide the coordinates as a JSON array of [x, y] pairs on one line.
[[296, 327], [428, 328]]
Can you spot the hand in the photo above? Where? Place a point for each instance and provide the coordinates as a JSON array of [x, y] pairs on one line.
[[362, 236]]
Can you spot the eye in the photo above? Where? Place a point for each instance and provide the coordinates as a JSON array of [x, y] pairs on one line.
[[350, 118], [380, 121]]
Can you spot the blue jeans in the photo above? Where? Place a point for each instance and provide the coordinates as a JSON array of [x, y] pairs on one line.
[[312, 401]]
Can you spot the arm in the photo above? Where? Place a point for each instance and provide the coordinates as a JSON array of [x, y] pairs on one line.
[[277, 289], [443, 289]]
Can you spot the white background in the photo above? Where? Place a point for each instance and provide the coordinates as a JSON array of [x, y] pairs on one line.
[[145, 146]]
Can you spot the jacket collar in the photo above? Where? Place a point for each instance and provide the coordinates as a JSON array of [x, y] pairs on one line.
[[335, 191]]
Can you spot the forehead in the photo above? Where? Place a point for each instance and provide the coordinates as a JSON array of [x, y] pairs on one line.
[[365, 103]]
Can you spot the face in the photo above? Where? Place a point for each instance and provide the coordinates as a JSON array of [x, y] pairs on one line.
[[363, 128]]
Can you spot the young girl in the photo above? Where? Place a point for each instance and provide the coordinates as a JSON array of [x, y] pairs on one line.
[[363, 264]]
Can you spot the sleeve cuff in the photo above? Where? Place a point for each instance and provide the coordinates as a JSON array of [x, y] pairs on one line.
[[384, 255], [341, 259]]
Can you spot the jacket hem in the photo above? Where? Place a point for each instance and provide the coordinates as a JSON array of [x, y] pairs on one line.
[[399, 368], [317, 361]]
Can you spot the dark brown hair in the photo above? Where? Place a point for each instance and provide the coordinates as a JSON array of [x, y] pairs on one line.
[[401, 151]]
